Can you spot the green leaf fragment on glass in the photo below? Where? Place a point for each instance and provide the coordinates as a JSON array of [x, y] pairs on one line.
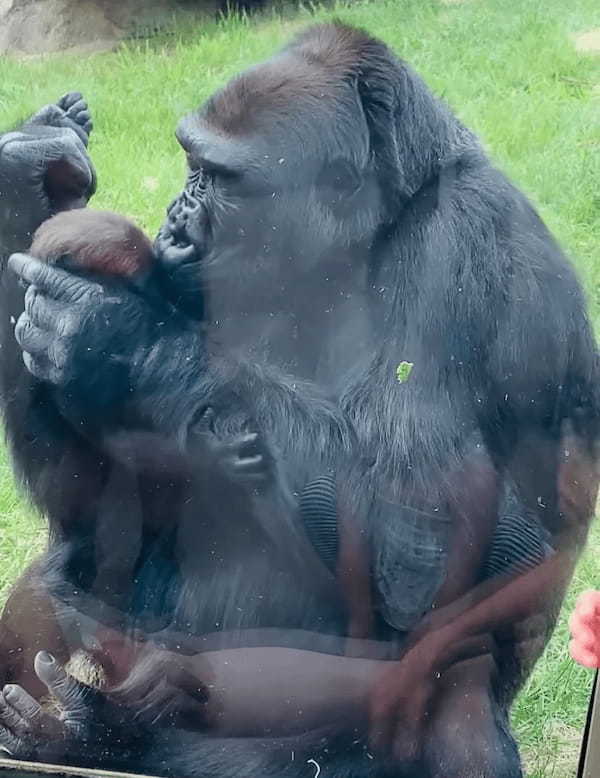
[[403, 371]]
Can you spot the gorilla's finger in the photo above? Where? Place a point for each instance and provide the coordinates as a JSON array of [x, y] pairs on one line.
[[83, 117], [63, 686], [249, 465], [54, 281], [31, 338], [25, 707], [42, 369], [9, 743], [49, 315], [79, 107], [33, 271], [31, 296], [10, 719], [66, 101], [29, 718]]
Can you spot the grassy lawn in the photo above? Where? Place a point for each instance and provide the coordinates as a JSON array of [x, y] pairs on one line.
[[512, 72]]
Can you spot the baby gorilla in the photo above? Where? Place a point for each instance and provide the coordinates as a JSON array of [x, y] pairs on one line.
[[234, 484], [100, 243]]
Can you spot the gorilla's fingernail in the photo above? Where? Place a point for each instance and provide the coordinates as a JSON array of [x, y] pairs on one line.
[[45, 658], [9, 690]]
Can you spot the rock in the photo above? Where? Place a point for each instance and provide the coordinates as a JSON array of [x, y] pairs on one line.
[[29, 27]]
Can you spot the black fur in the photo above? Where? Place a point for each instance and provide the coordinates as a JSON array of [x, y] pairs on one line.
[[374, 226]]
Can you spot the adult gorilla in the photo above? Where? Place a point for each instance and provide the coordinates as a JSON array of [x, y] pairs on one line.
[[337, 220]]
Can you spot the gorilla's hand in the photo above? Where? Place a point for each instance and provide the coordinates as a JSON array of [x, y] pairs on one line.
[[44, 168], [99, 345], [71, 112], [78, 733], [80, 336]]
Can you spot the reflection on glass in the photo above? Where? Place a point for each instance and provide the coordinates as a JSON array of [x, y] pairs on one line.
[[317, 465]]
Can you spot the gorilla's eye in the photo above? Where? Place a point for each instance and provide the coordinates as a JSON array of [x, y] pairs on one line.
[[341, 176]]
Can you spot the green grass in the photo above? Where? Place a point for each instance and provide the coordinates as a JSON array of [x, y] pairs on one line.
[[509, 69]]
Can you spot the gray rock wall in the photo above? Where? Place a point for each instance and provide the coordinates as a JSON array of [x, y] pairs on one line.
[[30, 27]]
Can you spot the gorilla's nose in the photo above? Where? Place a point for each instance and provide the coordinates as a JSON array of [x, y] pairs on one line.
[[176, 219]]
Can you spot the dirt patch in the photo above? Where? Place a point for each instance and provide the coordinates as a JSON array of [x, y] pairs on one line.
[[588, 42]]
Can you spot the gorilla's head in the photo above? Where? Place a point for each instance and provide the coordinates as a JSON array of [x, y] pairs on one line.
[[300, 161]]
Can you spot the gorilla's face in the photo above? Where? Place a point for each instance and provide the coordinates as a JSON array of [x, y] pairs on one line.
[[280, 179]]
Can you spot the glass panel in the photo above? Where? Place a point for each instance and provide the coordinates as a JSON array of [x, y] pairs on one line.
[[301, 468]]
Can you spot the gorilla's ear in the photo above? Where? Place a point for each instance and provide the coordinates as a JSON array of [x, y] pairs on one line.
[[340, 176]]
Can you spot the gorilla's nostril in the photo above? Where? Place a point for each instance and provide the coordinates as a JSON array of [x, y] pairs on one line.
[[174, 216], [191, 210]]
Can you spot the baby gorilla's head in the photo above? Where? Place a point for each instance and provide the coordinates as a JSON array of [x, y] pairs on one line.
[[96, 242]]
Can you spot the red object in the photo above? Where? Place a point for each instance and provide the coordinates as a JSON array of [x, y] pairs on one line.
[[585, 629]]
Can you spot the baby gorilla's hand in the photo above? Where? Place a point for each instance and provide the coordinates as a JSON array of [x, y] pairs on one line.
[[245, 457]]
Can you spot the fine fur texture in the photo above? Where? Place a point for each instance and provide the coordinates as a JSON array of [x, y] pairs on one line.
[[97, 241]]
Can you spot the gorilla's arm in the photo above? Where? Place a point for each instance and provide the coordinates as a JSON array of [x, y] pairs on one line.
[[44, 168], [119, 362]]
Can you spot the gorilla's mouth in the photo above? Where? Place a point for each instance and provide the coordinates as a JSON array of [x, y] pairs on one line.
[[172, 251], [184, 237]]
